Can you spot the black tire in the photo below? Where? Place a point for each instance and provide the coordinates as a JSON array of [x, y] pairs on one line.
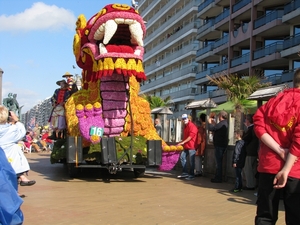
[[72, 170], [139, 172]]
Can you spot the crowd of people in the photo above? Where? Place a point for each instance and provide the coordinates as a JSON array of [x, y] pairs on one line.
[[266, 153]]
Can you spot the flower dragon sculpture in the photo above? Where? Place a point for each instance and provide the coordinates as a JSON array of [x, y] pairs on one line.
[[109, 49]]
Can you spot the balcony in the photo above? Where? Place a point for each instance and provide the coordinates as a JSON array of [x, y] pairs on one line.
[[240, 60], [274, 15], [204, 4], [207, 31], [291, 47], [178, 55], [186, 30], [291, 12], [240, 5], [183, 94], [186, 73], [222, 16], [177, 17], [268, 50], [158, 15], [204, 73]]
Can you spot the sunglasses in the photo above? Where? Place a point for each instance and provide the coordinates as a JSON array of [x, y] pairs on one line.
[[184, 118]]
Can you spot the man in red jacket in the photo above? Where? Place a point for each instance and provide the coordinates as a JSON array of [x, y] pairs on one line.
[[277, 125], [189, 142]]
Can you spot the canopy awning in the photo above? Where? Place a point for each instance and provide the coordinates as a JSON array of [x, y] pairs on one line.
[[161, 110], [201, 104], [266, 93]]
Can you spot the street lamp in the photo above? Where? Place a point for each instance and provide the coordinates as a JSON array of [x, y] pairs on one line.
[[1, 73]]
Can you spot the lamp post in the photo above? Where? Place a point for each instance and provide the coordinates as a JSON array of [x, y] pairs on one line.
[[1, 73]]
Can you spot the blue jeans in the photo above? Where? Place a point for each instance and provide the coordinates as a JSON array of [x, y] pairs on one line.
[[191, 154], [238, 178], [219, 153]]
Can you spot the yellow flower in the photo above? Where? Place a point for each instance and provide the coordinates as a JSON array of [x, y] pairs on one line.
[[10, 160]]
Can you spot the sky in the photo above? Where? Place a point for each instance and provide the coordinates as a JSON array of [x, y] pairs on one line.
[[36, 40]]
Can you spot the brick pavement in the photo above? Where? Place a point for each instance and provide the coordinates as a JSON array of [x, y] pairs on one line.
[[156, 198]]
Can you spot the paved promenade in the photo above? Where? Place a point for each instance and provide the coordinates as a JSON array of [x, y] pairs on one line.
[[156, 198]]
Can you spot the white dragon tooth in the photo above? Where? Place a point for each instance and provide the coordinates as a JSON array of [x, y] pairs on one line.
[[137, 52], [110, 29], [137, 33], [102, 49], [99, 34], [119, 20], [129, 21]]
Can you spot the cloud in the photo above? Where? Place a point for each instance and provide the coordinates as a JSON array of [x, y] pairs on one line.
[[39, 17]]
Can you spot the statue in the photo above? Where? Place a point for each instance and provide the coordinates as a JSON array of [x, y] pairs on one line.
[[12, 104]]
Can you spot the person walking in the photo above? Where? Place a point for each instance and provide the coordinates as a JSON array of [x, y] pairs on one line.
[[251, 145], [277, 125], [201, 144], [238, 160], [220, 141], [189, 141]]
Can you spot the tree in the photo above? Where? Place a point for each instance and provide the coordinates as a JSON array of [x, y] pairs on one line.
[[237, 88], [156, 101]]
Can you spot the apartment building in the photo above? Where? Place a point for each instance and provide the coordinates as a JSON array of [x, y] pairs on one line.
[[170, 50], [247, 37]]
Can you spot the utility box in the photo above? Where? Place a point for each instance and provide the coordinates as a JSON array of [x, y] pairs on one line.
[[154, 153]]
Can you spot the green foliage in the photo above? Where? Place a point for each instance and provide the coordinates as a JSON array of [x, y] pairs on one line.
[[156, 101], [92, 154], [237, 88]]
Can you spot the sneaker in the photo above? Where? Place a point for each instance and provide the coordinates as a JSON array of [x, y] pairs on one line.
[[236, 190], [184, 175], [190, 178]]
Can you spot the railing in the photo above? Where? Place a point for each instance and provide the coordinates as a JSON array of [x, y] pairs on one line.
[[240, 5], [204, 50], [221, 41], [174, 55], [170, 21], [220, 68], [268, 50], [293, 5], [163, 9], [204, 27], [274, 15], [204, 4], [173, 37], [181, 93], [240, 60], [170, 78], [291, 41], [222, 16], [204, 73]]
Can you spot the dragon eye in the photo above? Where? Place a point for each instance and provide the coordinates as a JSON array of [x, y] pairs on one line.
[[121, 6]]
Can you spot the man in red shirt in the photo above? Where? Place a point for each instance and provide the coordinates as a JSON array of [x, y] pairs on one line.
[[277, 125], [189, 142]]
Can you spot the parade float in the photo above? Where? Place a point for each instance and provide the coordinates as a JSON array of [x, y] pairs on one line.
[[108, 124]]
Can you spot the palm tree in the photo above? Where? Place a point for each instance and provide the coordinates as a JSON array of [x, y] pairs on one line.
[[238, 89], [156, 101]]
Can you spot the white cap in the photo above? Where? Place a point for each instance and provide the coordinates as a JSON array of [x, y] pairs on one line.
[[184, 116]]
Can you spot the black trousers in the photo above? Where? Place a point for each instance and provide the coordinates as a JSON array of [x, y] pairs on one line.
[[268, 201]]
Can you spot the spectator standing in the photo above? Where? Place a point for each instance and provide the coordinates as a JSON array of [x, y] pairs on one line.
[[158, 126], [238, 160], [277, 125], [201, 144], [189, 142], [220, 141], [10, 134], [36, 132], [251, 145]]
